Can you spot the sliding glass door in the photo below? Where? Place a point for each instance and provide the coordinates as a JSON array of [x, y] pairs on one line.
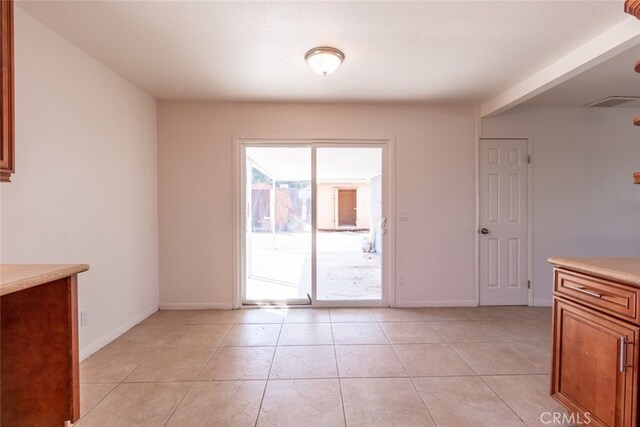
[[278, 224], [349, 223], [313, 223]]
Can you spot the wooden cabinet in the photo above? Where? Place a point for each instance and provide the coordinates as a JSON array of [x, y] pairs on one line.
[[39, 358], [7, 157], [595, 348]]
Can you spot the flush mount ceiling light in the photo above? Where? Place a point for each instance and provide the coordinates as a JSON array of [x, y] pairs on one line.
[[324, 60]]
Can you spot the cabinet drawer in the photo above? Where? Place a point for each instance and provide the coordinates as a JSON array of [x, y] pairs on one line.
[[606, 296]]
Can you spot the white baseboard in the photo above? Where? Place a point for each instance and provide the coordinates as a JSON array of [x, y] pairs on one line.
[[89, 350], [195, 306], [542, 302], [460, 303]]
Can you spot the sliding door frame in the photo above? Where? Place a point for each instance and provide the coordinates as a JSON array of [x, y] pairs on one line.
[[387, 144]]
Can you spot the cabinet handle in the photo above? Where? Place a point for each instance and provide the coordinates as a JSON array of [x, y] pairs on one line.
[[585, 291], [622, 353]]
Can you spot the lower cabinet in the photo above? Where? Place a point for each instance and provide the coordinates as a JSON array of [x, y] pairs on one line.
[[595, 365]]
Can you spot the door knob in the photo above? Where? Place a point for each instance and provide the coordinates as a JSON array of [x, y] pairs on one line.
[[484, 231]]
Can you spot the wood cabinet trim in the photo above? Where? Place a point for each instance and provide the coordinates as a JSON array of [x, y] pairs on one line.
[[7, 151], [74, 348]]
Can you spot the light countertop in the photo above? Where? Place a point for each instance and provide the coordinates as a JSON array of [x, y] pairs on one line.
[[17, 277], [618, 269]]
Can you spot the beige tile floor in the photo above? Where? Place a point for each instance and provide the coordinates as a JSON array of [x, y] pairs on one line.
[[324, 367]]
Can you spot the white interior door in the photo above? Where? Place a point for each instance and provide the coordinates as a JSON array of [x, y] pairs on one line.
[[504, 226]]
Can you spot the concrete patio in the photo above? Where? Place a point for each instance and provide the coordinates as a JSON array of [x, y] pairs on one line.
[[280, 267]]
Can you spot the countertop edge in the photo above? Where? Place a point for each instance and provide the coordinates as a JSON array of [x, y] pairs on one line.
[[65, 270], [583, 266]]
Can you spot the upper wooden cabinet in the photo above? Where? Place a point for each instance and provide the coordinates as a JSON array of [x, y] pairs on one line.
[[7, 162], [632, 7]]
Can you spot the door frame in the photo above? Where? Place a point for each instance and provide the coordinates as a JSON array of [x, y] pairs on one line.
[[529, 211], [387, 143]]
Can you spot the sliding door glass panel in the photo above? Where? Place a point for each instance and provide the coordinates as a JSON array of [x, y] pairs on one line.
[[349, 223], [278, 223]]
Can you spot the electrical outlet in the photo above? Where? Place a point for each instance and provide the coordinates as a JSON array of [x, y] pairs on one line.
[[84, 317], [401, 281], [403, 216]]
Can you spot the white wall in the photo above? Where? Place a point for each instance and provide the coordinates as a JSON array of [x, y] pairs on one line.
[[326, 206], [584, 201], [363, 213], [435, 182], [85, 187], [375, 202]]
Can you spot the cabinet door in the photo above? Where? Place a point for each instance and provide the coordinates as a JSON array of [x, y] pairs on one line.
[[594, 369]]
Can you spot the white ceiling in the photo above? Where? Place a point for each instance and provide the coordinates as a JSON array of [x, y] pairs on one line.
[[430, 51], [614, 77]]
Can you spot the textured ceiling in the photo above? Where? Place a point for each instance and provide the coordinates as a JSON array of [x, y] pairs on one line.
[[431, 51], [615, 77]]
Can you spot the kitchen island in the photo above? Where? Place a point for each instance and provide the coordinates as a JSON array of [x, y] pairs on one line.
[[596, 334], [39, 358]]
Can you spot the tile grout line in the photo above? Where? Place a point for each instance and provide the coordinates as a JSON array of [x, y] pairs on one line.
[[96, 405], [463, 359], [438, 334], [117, 384], [423, 402], [501, 399], [473, 370], [413, 385], [197, 376], [335, 357], [211, 356], [147, 357], [266, 383]]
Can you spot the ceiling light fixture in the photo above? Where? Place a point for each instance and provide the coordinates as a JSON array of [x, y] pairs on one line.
[[324, 60]]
